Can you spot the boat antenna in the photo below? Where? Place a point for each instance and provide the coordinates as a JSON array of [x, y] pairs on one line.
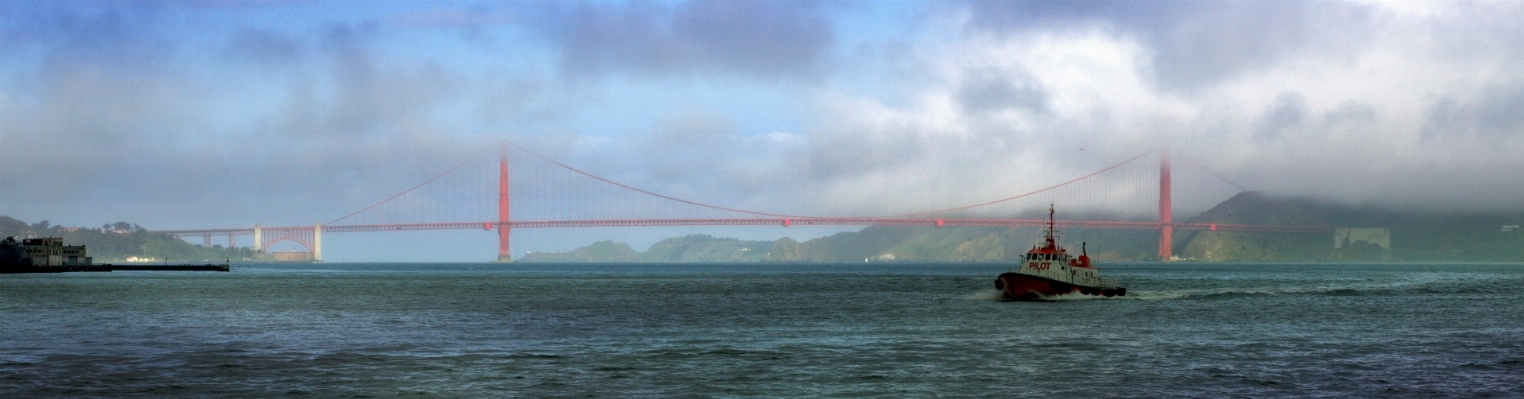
[[1094, 264], [1050, 224]]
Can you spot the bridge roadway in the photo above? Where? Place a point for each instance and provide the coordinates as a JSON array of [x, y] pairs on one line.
[[532, 224]]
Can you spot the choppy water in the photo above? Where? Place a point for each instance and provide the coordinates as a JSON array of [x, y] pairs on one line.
[[431, 330]]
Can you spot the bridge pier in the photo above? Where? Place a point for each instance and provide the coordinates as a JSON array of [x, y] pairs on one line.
[[259, 239]]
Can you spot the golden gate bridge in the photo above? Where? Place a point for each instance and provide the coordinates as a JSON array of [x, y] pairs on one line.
[[551, 194]]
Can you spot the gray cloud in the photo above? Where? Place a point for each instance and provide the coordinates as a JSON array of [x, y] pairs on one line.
[[1351, 112], [264, 47], [527, 102], [340, 119], [856, 151], [988, 90], [1500, 111], [1287, 113], [1199, 43], [471, 18], [1494, 113], [115, 122], [472, 22], [763, 39], [102, 89], [362, 98]]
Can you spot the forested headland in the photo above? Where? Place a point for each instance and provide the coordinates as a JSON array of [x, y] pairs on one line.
[[1404, 236], [119, 241]]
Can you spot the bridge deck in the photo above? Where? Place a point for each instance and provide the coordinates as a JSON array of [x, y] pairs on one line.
[[533, 224]]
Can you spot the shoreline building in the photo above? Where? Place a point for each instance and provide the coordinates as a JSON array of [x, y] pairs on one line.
[[51, 251]]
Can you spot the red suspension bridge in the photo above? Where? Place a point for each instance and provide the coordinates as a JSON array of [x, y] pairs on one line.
[[555, 195]]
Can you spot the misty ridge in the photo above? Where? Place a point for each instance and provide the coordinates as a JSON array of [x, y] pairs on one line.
[[1427, 236]]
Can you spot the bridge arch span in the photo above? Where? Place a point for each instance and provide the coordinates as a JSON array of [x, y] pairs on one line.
[[306, 244]]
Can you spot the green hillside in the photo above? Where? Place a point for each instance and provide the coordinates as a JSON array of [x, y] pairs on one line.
[[1409, 236], [872, 244], [1414, 235]]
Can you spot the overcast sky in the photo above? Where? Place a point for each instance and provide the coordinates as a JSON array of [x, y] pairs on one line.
[[226, 113]]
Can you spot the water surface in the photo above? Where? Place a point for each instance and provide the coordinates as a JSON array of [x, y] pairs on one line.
[[854, 330]]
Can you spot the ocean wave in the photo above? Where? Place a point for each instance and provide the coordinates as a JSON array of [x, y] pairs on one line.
[[997, 295], [1417, 285], [1405, 287], [986, 295]]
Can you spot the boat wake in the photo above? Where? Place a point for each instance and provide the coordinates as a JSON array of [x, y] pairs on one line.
[[1419, 284], [986, 295], [1378, 285], [997, 295]]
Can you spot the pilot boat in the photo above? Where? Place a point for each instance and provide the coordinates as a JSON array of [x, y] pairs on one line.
[[1048, 271]]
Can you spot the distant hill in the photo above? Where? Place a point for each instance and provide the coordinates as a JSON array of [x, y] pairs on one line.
[[117, 241], [950, 244], [871, 244], [1413, 235], [1406, 236]]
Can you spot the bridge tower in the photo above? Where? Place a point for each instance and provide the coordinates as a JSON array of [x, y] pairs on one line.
[[503, 255], [317, 242], [259, 239], [1166, 225]]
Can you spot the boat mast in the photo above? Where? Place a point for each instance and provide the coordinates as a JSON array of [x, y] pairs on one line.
[[1049, 237]]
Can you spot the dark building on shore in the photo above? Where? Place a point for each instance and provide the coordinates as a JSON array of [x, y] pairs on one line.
[[42, 252]]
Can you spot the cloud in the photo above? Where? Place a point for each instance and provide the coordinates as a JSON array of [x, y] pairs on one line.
[[758, 39], [471, 18], [110, 117], [992, 91], [265, 47], [1402, 104], [1287, 113], [1491, 114], [1195, 44]]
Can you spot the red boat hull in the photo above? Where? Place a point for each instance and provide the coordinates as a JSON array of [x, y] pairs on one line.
[[1021, 287]]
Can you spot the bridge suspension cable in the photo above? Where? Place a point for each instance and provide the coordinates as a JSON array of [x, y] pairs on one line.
[[1024, 195]]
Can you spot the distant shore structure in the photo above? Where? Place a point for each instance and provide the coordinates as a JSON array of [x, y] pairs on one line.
[[51, 251], [50, 255], [293, 256]]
